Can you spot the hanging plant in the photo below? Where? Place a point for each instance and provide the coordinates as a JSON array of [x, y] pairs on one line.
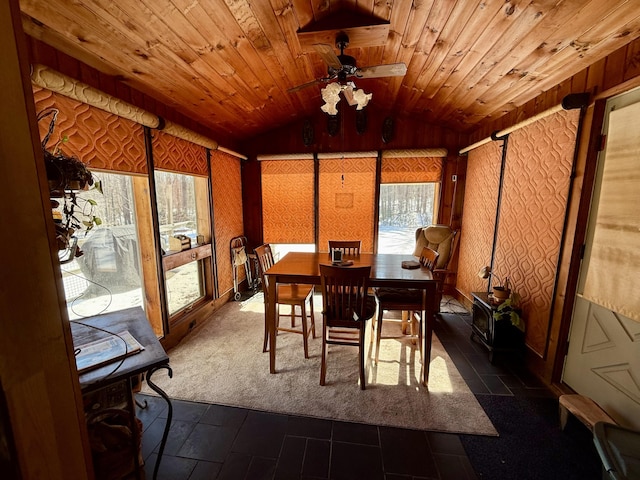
[[67, 176]]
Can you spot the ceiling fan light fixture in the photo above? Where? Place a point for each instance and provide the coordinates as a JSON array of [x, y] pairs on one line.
[[331, 97], [361, 98], [354, 96]]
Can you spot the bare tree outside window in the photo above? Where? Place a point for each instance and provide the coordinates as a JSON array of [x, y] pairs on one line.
[[403, 208]]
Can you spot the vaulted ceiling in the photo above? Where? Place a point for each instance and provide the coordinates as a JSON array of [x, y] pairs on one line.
[[229, 64]]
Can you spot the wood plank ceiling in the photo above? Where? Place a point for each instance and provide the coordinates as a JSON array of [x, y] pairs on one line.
[[229, 64]]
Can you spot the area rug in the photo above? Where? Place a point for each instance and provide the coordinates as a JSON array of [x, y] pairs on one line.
[[222, 362]]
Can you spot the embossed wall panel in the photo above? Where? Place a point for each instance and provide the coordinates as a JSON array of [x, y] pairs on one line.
[[532, 212], [288, 201], [411, 170], [227, 214], [347, 206], [478, 218], [101, 140], [177, 155]]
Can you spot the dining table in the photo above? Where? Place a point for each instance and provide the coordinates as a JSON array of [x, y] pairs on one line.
[[387, 270]]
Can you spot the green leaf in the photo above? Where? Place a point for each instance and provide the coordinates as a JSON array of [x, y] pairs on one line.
[[92, 202], [98, 186], [97, 221]]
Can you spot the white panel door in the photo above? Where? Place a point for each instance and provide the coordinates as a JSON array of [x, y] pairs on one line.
[[603, 360]]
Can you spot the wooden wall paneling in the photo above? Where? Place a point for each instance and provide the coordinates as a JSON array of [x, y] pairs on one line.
[[37, 364], [148, 257], [632, 61], [204, 212], [579, 82], [577, 217], [595, 76], [447, 189], [615, 68], [563, 89], [67, 62]]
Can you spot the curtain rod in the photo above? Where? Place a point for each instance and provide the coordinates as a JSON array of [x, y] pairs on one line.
[[231, 152], [570, 102], [285, 156], [55, 81], [420, 152]]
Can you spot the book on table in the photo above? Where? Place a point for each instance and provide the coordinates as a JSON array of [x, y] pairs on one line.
[[106, 350]]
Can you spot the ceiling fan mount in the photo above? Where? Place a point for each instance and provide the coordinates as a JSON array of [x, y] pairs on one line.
[[341, 67], [348, 63]]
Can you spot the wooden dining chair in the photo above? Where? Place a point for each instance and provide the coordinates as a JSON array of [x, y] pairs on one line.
[[347, 247], [346, 307], [287, 294], [404, 299]]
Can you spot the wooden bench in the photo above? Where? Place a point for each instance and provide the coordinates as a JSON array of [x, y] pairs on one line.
[[584, 409]]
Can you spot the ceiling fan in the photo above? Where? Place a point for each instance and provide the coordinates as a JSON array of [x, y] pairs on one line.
[[341, 67]]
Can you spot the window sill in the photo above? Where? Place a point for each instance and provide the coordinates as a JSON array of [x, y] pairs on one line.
[[175, 259]]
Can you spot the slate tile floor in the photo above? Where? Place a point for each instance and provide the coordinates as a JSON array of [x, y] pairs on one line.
[[219, 442]]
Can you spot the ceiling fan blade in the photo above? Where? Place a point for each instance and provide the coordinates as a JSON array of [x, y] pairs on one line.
[[328, 55], [389, 70], [305, 85]]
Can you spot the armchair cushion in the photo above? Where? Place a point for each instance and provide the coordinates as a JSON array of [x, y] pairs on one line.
[[439, 238]]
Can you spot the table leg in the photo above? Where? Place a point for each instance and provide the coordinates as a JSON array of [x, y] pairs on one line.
[[270, 318], [167, 425], [428, 294]]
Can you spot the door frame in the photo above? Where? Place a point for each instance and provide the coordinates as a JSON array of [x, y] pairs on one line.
[[593, 142]]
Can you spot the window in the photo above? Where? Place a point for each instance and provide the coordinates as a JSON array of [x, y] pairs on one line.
[[177, 200], [107, 276], [403, 208]]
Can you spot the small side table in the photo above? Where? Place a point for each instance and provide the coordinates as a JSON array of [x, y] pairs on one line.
[[111, 385], [499, 336]]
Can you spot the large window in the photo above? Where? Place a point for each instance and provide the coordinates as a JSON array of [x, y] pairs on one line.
[[178, 219], [107, 276], [403, 208]]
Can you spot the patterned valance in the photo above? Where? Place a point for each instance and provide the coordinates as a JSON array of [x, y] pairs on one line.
[[101, 140], [177, 155]]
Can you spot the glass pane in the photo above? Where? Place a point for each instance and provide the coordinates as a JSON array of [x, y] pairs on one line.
[[403, 208], [177, 212], [107, 277], [184, 286], [178, 217]]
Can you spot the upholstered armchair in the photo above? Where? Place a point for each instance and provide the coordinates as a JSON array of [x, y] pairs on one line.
[[442, 239]]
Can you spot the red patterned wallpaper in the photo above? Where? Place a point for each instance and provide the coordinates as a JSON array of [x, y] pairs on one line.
[[227, 214], [100, 139], [478, 218], [533, 207], [288, 201], [346, 208], [415, 170], [177, 155]]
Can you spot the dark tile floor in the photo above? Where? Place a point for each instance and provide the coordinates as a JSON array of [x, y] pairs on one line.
[[219, 442]]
